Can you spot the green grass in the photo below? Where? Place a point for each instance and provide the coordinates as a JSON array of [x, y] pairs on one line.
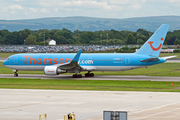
[[169, 54], [165, 69], [6, 55], [105, 85]]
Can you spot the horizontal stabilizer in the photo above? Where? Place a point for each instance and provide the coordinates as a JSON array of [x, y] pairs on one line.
[[150, 59], [168, 57]]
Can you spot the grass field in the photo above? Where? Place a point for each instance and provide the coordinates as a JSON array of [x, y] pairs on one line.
[[5, 55], [169, 54], [105, 85], [165, 69]]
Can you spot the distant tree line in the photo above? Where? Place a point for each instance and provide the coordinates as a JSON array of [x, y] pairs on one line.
[[65, 36]]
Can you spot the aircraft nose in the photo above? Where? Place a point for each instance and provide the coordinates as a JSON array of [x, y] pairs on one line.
[[5, 62]]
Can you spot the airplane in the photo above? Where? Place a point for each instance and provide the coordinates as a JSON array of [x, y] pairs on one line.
[[57, 63]]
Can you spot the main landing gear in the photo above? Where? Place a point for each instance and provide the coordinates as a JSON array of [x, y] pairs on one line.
[[77, 76], [86, 75], [15, 73], [89, 74]]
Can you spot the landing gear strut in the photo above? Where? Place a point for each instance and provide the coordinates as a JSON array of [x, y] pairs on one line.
[[89, 74], [15, 73], [77, 76]]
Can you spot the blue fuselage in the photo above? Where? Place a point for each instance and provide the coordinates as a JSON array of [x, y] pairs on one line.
[[103, 61]]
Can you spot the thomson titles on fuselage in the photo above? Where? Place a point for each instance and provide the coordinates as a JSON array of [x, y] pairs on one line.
[[40, 61], [30, 60], [49, 61]]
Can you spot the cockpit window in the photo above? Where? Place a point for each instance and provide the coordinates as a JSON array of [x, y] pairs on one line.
[[7, 59]]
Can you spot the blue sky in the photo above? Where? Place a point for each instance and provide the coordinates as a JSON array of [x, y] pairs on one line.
[[30, 9]]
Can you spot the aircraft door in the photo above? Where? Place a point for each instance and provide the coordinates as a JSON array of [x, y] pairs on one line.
[[127, 60], [16, 60]]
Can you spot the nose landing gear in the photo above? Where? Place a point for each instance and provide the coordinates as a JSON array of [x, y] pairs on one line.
[[15, 73]]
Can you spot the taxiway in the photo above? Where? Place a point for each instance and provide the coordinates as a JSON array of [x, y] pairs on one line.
[[25, 104], [96, 77]]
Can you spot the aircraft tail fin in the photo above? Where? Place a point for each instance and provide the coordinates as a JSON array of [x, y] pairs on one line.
[[153, 45]]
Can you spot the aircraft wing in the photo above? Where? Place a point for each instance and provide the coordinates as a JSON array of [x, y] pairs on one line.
[[71, 65]]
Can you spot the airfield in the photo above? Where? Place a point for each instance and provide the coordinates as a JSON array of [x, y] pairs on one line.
[[26, 104], [18, 104]]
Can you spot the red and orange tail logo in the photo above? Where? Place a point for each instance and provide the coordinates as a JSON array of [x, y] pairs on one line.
[[155, 49]]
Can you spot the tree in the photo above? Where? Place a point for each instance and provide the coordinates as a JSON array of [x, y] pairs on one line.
[[86, 37], [64, 29], [3, 33], [131, 39], [31, 40], [42, 34], [23, 34], [9, 39], [171, 41], [67, 35], [176, 42], [15, 39], [1, 40], [61, 40]]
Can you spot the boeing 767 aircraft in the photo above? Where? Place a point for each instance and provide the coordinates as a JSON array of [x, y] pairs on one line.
[[56, 63]]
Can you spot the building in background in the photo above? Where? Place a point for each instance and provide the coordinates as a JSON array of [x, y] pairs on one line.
[[51, 41]]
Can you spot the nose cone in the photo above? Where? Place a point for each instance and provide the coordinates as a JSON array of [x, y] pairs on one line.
[[5, 62]]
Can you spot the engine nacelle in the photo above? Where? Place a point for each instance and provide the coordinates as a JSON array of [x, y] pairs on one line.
[[52, 70]]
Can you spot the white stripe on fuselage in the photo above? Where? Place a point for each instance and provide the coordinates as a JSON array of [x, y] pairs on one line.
[[86, 68]]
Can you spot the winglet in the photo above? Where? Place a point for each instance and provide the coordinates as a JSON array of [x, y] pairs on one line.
[[76, 58]]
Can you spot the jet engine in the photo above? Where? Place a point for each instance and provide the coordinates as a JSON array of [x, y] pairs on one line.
[[52, 70]]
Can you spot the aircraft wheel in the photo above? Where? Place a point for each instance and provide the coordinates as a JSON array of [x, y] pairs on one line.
[[79, 76], [74, 76], [15, 75], [91, 74], [87, 75]]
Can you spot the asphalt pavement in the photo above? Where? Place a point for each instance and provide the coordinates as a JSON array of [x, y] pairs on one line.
[[25, 104], [96, 77]]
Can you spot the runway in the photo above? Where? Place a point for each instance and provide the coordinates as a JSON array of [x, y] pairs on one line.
[[96, 77], [24, 104]]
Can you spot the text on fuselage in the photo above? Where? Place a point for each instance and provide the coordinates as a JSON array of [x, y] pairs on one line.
[[46, 60]]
